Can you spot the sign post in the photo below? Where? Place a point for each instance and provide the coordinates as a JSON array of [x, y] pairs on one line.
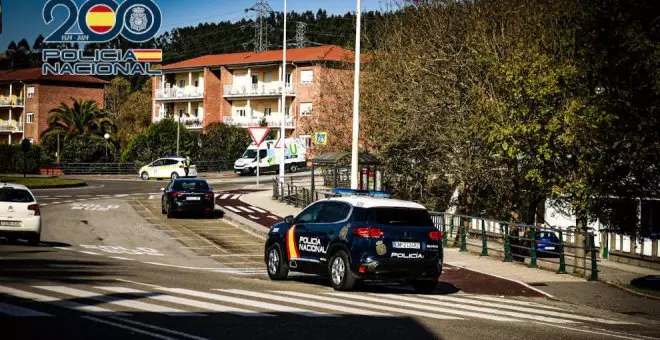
[[258, 135]]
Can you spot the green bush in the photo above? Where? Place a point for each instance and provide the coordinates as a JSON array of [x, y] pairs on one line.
[[222, 142], [158, 141], [11, 159]]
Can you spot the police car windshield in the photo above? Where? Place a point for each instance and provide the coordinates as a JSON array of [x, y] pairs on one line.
[[15, 195], [399, 216], [191, 185]]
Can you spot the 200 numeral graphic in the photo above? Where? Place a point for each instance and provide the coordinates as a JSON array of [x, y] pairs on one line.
[[103, 20]]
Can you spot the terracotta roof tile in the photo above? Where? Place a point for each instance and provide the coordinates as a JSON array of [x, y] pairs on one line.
[[319, 53], [34, 74]]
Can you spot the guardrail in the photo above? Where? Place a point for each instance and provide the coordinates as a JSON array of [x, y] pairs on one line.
[[127, 168]]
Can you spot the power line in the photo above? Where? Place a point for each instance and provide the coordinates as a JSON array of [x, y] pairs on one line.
[[301, 37], [260, 25]]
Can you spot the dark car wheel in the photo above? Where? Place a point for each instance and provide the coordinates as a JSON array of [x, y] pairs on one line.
[[339, 269], [424, 286], [293, 168], [168, 210], [34, 240], [162, 208], [276, 263]]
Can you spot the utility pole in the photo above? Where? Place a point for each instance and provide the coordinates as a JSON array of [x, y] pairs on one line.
[[283, 107], [178, 127], [356, 100], [260, 25]]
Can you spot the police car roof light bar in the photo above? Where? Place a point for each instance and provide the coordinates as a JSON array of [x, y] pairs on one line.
[[354, 192]]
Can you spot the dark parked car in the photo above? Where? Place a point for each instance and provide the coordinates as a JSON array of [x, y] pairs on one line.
[[187, 195]]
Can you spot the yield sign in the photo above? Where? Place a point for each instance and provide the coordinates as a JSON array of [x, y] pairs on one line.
[[258, 134]]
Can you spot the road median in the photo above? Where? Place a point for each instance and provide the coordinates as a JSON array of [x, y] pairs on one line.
[[44, 182]]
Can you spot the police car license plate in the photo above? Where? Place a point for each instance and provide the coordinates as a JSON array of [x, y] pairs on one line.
[[406, 245], [193, 198], [10, 223]]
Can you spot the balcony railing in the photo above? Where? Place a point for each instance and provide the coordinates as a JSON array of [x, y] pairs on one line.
[[248, 122], [258, 90], [10, 125], [188, 92], [189, 122], [11, 101]]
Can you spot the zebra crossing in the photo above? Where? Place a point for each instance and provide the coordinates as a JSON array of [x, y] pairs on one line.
[[126, 300]]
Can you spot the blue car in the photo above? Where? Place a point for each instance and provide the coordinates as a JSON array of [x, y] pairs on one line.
[[356, 238]]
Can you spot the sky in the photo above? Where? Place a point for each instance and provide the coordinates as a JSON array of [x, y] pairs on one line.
[[23, 18]]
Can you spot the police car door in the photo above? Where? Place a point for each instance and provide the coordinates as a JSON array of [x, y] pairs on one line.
[[330, 221], [298, 235], [155, 167]]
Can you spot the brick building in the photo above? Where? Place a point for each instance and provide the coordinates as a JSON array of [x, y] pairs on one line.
[[243, 88], [27, 96]]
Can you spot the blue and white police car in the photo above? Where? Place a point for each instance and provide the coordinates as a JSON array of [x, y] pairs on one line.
[[355, 237]]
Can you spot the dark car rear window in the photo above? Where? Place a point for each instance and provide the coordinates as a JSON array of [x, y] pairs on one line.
[[394, 216], [190, 186], [546, 234], [15, 196]]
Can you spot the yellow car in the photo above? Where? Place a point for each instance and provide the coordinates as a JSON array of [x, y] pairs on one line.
[[167, 168]]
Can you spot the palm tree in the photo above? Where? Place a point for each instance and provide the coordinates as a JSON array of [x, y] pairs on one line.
[[83, 117]]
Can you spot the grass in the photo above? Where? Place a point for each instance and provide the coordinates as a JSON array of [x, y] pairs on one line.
[[651, 292], [43, 182]]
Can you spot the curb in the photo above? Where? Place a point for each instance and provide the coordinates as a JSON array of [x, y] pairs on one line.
[[58, 186], [632, 291], [251, 227]]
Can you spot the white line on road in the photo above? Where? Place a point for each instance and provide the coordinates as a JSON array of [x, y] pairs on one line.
[[63, 196], [187, 302], [253, 217], [503, 300], [303, 302], [274, 217], [258, 209], [148, 307], [121, 258], [58, 302], [245, 209], [232, 209], [65, 248], [248, 302], [57, 202], [18, 311], [137, 330], [121, 195], [224, 196], [236, 197], [88, 252], [602, 332]]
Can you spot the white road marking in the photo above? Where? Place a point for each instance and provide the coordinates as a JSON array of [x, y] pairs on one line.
[[224, 196], [503, 300], [41, 196], [58, 302], [187, 302], [247, 302], [63, 196], [253, 217], [136, 330], [161, 329], [65, 248], [148, 307], [232, 209], [236, 197], [602, 332], [503, 304], [245, 209], [121, 195], [83, 195], [377, 306], [153, 197], [304, 302], [88, 252], [44, 204], [121, 258], [452, 308], [274, 217], [258, 209], [529, 310], [57, 202], [18, 311]]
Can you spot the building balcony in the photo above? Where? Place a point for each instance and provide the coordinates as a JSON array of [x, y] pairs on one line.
[[258, 90], [192, 123], [176, 93], [11, 101], [11, 126], [250, 122]]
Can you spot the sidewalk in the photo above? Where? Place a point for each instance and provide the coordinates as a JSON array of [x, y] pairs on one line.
[[608, 271]]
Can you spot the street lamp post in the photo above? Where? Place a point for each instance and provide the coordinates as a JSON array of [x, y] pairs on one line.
[[356, 100], [283, 107], [178, 127], [106, 136]]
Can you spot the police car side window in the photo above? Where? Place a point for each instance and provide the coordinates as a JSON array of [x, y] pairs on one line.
[[170, 162], [310, 215], [334, 212], [157, 163]]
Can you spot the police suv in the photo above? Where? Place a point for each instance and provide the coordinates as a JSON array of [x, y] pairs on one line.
[[358, 237]]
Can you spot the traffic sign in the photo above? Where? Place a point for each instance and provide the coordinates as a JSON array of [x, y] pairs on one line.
[[258, 134], [321, 138]]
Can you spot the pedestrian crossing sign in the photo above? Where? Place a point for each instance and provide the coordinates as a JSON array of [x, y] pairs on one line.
[[321, 138]]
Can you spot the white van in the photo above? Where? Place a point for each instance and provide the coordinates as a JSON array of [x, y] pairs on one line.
[[294, 154]]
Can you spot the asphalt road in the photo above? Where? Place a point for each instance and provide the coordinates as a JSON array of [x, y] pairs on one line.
[[114, 266]]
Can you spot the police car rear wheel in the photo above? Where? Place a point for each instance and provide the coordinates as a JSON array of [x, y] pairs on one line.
[[276, 266], [145, 176], [424, 286], [340, 273]]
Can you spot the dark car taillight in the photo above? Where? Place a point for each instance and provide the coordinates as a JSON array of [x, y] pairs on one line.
[[367, 232], [175, 194], [435, 235], [209, 195], [35, 208]]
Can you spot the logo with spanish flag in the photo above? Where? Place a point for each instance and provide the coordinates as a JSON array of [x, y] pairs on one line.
[[101, 19]]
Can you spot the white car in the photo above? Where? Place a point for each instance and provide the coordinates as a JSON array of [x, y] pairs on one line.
[[167, 168], [20, 216]]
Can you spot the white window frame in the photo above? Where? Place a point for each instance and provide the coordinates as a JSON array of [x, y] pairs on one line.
[[267, 110], [196, 112], [307, 140], [306, 79], [30, 118], [29, 92], [180, 82], [303, 109], [241, 112]]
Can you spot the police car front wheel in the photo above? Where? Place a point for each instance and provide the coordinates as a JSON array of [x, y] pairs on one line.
[[340, 272], [276, 263]]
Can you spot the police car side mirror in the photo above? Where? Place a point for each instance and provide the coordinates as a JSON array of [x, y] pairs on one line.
[[289, 219]]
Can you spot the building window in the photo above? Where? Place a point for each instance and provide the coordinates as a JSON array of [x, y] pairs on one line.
[[288, 78], [196, 83], [182, 112], [30, 92], [305, 109], [241, 112], [267, 111], [182, 83], [30, 118], [306, 76], [255, 79], [196, 113], [287, 110], [306, 140]]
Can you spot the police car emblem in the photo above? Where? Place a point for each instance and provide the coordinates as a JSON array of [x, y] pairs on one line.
[[138, 19], [344, 231], [381, 248]]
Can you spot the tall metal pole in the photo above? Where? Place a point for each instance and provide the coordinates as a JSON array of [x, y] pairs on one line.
[[356, 100], [283, 108], [178, 126]]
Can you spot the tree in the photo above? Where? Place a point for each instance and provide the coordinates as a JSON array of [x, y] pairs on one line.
[[159, 140], [223, 143], [83, 117], [116, 94], [134, 114]]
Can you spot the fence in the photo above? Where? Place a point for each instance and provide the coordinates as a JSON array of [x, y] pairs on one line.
[[127, 168]]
